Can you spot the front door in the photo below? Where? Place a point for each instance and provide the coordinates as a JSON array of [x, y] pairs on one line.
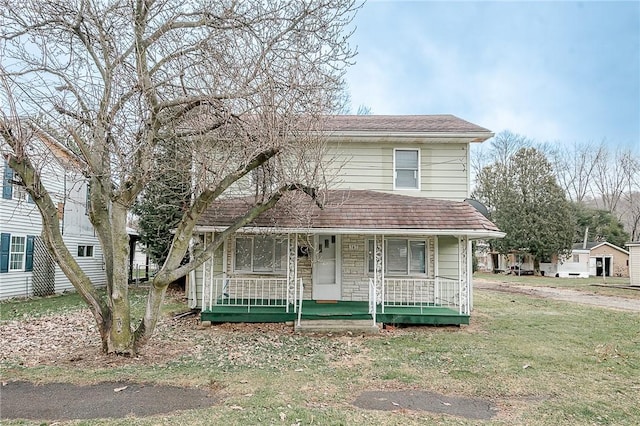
[[326, 268]]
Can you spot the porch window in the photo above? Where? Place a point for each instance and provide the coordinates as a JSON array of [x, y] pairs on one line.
[[402, 257], [260, 254], [406, 169]]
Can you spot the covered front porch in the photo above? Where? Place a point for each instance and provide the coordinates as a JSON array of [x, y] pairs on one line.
[[402, 301], [378, 257]]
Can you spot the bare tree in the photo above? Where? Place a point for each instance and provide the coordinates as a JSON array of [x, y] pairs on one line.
[[611, 177], [242, 85], [502, 147], [631, 196], [574, 167]]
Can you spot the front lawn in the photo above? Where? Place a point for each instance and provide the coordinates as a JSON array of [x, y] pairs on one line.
[[541, 362]]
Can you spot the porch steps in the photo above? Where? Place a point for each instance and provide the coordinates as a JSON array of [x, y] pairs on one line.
[[339, 326]]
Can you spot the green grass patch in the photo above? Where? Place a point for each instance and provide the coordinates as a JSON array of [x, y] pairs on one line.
[[16, 309]]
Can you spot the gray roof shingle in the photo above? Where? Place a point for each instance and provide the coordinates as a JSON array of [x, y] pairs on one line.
[[444, 123]]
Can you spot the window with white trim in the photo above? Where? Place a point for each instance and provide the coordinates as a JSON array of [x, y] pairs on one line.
[[17, 253], [401, 256], [406, 168], [260, 254], [85, 251]]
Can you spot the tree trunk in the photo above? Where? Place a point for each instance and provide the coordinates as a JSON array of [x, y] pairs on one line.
[[152, 312], [119, 334]]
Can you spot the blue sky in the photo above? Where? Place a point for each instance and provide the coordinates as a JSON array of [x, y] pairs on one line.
[[555, 71]]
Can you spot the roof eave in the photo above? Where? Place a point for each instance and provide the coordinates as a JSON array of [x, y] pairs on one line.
[[472, 233], [366, 136]]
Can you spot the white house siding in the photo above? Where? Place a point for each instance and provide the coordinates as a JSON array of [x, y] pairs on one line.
[[23, 218], [369, 166], [448, 252], [634, 263], [92, 266], [18, 219]]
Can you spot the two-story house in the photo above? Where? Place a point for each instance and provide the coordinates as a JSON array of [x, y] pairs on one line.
[[391, 243], [26, 268]]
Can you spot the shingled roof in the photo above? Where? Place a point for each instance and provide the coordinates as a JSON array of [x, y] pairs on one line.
[[357, 212], [444, 123]]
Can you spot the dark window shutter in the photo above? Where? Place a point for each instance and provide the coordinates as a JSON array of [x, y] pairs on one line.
[[7, 187], [28, 259], [5, 242]]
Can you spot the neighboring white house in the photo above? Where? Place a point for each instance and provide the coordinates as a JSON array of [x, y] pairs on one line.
[[26, 268], [634, 262]]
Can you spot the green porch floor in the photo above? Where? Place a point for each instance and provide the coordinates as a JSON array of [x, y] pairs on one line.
[[312, 310]]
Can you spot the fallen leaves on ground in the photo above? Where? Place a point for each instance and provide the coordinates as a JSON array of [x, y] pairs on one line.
[[72, 338]]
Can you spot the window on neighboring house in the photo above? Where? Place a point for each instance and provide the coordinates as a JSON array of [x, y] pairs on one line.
[[16, 252], [402, 257], [85, 251], [260, 254], [406, 169], [12, 187]]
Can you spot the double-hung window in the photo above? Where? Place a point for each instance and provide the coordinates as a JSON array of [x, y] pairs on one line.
[[401, 256], [16, 252], [406, 169], [260, 254]]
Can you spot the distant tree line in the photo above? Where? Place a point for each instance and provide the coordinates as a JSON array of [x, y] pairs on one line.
[[547, 196]]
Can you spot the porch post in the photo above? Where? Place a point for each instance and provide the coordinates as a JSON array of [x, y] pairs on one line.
[[292, 269], [436, 273], [378, 269], [463, 273]]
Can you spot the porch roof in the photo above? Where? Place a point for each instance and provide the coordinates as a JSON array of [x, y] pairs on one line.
[[351, 212]]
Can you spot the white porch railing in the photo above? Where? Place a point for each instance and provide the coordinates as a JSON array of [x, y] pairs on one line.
[[248, 292], [421, 293]]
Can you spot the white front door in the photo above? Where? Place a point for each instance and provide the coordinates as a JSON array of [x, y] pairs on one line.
[[326, 268]]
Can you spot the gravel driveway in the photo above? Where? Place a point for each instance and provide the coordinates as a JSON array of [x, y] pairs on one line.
[[567, 295]]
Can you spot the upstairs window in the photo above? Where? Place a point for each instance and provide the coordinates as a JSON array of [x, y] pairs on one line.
[[260, 254], [406, 169], [12, 187]]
